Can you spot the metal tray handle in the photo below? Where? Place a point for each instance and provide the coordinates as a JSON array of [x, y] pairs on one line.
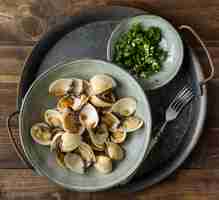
[[17, 149], [201, 42]]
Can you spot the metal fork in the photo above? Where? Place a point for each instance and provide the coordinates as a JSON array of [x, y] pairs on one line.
[[183, 97]]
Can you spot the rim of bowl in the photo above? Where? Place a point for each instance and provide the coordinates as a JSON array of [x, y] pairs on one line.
[[37, 166], [180, 60]]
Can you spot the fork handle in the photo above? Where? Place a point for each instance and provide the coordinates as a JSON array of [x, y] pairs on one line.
[[155, 140]]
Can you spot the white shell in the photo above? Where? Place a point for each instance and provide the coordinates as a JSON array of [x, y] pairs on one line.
[[101, 83], [89, 116], [96, 101], [76, 87], [53, 118], [63, 86], [114, 151], [118, 135], [70, 142], [79, 102], [71, 122], [87, 154], [41, 133], [60, 87], [103, 164], [65, 102], [74, 162], [110, 120], [56, 141], [125, 106], [99, 137], [87, 88], [131, 124]]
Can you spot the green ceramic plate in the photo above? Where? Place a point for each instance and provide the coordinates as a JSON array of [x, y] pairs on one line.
[[171, 42], [36, 101]]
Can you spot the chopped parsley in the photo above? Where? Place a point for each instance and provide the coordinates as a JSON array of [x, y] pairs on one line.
[[139, 52]]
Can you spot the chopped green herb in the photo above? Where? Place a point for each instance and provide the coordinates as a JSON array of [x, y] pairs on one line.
[[138, 51]]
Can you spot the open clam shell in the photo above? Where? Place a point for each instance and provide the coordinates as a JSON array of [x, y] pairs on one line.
[[125, 106], [41, 133], [65, 102], [89, 116], [74, 162], [103, 164], [87, 89], [101, 83], [110, 120], [64, 86], [114, 151], [53, 118], [99, 136], [56, 141], [96, 101], [70, 142], [132, 123], [87, 154], [60, 87], [71, 123], [118, 135]]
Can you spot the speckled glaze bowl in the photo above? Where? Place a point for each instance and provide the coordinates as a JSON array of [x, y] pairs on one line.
[[36, 101], [171, 42]]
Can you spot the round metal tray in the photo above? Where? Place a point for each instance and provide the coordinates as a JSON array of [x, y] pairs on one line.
[[86, 35]]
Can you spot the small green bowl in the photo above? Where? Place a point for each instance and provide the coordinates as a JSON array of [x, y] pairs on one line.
[[37, 100], [171, 42]]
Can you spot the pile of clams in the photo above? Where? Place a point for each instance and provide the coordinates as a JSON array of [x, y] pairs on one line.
[[88, 125]]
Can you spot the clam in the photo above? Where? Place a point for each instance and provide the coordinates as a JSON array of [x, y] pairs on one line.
[[103, 164], [96, 101], [89, 116], [74, 162], [70, 142], [79, 102], [87, 88], [71, 122], [132, 123], [56, 141], [41, 133], [87, 154], [63, 86], [118, 136], [100, 136], [101, 83], [98, 148], [110, 120], [65, 102], [53, 118], [114, 151], [73, 102], [60, 159], [105, 99], [125, 106]]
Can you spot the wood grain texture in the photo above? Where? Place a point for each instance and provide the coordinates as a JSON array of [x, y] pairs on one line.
[[197, 179], [194, 184]]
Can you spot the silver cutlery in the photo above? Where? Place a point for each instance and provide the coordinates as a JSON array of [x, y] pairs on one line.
[[183, 97]]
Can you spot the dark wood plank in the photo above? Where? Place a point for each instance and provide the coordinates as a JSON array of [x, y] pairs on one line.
[[178, 12], [186, 185], [23, 185]]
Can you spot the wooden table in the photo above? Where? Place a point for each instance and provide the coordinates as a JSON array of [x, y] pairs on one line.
[[198, 178]]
